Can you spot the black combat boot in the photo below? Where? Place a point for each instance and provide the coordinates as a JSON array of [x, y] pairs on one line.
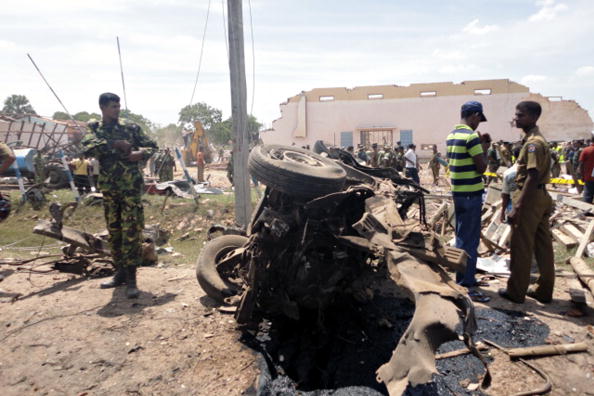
[[131, 290], [119, 278]]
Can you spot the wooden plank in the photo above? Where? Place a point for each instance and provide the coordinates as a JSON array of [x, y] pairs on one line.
[[547, 350], [573, 231], [585, 240], [583, 271], [575, 290], [564, 239], [575, 203], [443, 208], [505, 235]]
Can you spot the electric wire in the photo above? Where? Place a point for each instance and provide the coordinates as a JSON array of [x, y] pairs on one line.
[[201, 53]]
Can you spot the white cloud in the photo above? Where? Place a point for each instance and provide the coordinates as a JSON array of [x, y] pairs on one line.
[[585, 71], [474, 28], [548, 11]]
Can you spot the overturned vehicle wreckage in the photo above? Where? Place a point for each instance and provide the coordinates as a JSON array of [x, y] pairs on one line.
[[327, 238]]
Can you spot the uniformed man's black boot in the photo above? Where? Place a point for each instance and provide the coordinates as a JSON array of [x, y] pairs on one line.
[[131, 290], [119, 278]]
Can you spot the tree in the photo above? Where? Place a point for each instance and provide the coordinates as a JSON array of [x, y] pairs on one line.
[[202, 112], [60, 116], [146, 124], [171, 135], [17, 105], [222, 132]]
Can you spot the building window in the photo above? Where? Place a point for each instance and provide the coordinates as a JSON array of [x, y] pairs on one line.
[[555, 98], [375, 96], [428, 93], [406, 137], [327, 98], [482, 91], [346, 139]]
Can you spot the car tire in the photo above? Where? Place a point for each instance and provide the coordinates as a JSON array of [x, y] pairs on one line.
[[295, 171], [207, 274]]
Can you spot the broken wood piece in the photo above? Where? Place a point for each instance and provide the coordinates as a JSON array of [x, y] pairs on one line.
[[576, 293], [459, 352], [583, 271], [564, 239], [585, 240], [573, 231], [547, 350], [443, 209]]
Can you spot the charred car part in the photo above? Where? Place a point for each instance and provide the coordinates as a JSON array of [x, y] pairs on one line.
[[314, 244]]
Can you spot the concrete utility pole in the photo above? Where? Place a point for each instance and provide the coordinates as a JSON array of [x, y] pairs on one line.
[[243, 206]]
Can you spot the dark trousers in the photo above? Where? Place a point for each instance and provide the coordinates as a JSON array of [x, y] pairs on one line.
[[468, 233], [589, 191], [82, 184], [413, 173]]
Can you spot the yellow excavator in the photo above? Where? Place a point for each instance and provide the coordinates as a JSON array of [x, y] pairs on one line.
[[199, 139]]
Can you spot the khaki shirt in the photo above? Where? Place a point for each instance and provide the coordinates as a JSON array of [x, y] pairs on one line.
[[535, 154], [5, 152]]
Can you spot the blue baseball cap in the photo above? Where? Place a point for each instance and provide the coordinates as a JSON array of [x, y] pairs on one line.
[[474, 107]]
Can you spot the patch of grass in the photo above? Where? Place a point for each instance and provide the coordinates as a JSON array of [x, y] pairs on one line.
[[186, 223]]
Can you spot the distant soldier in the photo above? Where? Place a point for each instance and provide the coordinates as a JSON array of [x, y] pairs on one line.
[[434, 165], [399, 158], [39, 165], [167, 165], [575, 165], [120, 148], [374, 157], [555, 161], [505, 152], [493, 160]]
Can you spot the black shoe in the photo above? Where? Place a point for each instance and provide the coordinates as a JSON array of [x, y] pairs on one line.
[[503, 293], [532, 293], [131, 289], [119, 278]]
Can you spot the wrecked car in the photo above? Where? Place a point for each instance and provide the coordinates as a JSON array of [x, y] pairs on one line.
[[325, 236]]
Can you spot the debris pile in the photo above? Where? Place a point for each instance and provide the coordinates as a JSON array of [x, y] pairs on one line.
[[325, 240]]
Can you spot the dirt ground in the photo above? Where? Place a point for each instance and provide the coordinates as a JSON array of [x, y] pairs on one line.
[[65, 335]]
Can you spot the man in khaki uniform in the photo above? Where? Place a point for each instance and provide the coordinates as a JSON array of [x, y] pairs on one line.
[[532, 207]]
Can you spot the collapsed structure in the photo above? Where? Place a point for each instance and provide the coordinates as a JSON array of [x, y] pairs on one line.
[[419, 113]]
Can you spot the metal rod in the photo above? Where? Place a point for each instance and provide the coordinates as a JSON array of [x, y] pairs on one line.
[[56, 95], [122, 73]]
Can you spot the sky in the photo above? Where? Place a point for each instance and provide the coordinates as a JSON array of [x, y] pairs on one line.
[[547, 45]]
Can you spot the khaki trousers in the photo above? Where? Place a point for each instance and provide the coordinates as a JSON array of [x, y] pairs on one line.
[[531, 234]]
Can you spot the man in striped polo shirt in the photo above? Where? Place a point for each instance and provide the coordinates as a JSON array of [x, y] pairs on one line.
[[467, 162]]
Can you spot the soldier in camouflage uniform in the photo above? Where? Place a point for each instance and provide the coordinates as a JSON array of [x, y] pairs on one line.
[[120, 149], [166, 166]]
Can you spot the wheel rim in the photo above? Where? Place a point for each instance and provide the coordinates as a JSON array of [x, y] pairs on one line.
[[296, 157]]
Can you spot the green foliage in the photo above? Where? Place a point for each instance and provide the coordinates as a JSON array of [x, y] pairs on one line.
[[60, 115], [146, 124], [218, 131], [85, 116], [17, 105], [171, 135], [202, 112]]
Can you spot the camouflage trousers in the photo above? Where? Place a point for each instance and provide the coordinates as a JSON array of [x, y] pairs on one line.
[[124, 216], [166, 174]]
